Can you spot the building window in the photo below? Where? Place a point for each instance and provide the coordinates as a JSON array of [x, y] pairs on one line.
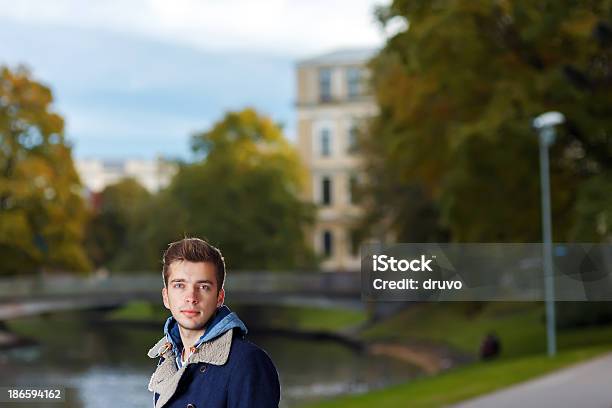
[[355, 241], [353, 142], [325, 142], [326, 191], [325, 84], [353, 82], [353, 189], [328, 244]]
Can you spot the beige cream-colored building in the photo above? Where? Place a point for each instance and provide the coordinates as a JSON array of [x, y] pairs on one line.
[[96, 174], [332, 103]]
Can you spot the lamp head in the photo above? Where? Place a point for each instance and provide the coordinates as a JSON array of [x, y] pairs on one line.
[[548, 119]]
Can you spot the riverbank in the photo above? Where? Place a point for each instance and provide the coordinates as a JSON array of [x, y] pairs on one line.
[[10, 340], [463, 383], [337, 325], [520, 328]]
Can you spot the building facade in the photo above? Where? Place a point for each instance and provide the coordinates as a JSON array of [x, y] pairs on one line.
[[96, 174], [332, 104]]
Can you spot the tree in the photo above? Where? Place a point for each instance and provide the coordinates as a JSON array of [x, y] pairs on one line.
[[594, 209], [457, 92], [242, 195], [42, 213], [109, 225]]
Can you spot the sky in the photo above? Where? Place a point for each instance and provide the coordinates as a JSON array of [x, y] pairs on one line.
[[135, 78]]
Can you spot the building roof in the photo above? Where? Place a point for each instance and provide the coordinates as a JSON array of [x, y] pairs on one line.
[[340, 57]]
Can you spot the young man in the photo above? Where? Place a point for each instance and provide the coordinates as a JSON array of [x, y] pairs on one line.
[[204, 358]]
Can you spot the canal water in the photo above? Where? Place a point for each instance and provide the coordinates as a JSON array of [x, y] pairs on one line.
[[105, 365]]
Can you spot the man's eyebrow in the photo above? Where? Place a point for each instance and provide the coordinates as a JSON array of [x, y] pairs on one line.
[[198, 281], [205, 281]]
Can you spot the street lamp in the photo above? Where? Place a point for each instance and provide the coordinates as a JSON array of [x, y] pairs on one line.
[[545, 125]]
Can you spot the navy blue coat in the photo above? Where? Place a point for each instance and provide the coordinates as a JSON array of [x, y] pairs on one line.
[[228, 371]]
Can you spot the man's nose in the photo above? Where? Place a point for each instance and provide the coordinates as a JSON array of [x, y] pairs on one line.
[[192, 296]]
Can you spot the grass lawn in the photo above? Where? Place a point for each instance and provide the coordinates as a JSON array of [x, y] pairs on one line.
[[140, 310], [520, 326], [465, 382], [316, 319]]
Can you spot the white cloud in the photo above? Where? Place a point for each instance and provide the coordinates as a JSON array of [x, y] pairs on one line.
[[295, 27]]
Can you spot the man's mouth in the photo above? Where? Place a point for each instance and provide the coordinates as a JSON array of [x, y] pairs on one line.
[[190, 312]]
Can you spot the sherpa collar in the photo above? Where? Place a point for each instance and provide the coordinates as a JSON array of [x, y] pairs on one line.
[[212, 352]]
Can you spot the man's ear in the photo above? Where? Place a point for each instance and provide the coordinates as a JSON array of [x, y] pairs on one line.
[[221, 298], [165, 298]]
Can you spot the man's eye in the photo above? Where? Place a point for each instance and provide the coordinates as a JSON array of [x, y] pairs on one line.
[[205, 287], [178, 285]]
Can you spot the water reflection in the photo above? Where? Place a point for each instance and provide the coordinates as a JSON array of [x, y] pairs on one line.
[[104, 365]]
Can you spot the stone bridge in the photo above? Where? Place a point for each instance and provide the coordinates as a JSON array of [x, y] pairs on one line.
[[28, 296]]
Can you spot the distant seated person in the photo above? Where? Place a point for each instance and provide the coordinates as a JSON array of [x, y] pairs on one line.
[[490, 347]]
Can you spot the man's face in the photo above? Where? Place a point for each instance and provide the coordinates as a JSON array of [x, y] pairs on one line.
[[192, 294]]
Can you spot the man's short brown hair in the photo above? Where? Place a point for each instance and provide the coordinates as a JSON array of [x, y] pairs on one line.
[[194, 250]]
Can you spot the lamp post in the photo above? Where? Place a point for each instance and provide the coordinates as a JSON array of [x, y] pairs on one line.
[[545, 125]]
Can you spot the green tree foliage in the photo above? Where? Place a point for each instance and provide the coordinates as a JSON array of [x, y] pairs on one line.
[[41, 211], [242, 196], [457, 92], [120, 204]]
